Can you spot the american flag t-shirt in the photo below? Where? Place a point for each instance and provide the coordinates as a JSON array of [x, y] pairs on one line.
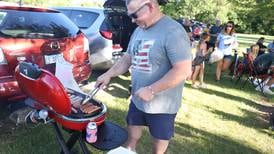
[[140, 61]]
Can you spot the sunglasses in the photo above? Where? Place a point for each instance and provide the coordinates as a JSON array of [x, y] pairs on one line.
[[134, 14], [229, 26]]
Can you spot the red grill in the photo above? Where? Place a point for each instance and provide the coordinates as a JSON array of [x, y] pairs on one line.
[[47, 93]]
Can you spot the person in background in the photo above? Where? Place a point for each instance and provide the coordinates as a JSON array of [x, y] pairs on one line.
[[214, 31], [226, 41], [264, 64], [270, 46], [160, 61], [254, 49], [206, 29], [252, 53], [187, 27], [198, 62], [262, 47]]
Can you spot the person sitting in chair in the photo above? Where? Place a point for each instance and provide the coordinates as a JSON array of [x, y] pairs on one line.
[[264, 64], [262, 47]]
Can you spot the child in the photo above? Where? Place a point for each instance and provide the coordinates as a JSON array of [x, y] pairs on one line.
[[198, 62]]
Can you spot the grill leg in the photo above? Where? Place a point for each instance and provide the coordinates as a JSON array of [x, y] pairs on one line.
[[67, 146], [60, 139], [83, 145], [72, 140]]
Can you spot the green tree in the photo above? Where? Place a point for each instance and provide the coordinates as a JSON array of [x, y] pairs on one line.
[[250, 16], [203, 10], [254, 16]]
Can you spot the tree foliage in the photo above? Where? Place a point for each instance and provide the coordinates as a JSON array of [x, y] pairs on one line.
[[203, 10], [255, 16], [250, 16]]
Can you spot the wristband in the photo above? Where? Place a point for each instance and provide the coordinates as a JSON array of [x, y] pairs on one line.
[[151, 90]]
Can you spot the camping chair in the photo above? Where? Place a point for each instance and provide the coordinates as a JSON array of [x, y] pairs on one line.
[[237, 71], [235, 67], [252, 74]]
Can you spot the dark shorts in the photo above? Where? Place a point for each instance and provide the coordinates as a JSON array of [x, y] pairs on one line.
[[228, 57], [161, 126], [198, 60]]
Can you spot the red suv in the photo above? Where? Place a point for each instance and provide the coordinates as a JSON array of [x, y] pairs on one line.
[[39, 36]]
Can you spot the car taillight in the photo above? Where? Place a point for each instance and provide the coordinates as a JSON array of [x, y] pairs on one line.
[[106, 34], [3, 60], [117, 48], [86, 45]]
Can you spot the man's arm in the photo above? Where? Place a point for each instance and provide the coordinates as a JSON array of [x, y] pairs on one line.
[[179, 72], [218, 41], [119, 68], [217, 44]]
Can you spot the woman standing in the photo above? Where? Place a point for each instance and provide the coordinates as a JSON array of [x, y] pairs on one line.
[[226, 41]]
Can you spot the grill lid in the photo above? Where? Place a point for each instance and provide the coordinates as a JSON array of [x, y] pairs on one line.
[[45, 88]]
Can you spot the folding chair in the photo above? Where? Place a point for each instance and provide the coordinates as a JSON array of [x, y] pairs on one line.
[[251, 73], [235, 66], [238, 70]]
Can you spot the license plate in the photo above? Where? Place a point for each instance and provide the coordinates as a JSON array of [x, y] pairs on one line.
[[51, 59]]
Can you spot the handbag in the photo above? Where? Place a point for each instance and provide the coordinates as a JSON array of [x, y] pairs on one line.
[[215, 56]]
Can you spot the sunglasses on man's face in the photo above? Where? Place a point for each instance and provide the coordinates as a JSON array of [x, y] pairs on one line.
[[134, 14]]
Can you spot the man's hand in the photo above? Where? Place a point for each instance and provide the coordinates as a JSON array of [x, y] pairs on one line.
[[145, 93], [118, 68], [103, 81]]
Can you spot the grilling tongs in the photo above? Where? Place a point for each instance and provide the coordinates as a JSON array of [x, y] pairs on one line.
[[90, 95]]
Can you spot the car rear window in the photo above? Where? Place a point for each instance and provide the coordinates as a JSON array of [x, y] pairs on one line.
[[30, 24], [83, 19]]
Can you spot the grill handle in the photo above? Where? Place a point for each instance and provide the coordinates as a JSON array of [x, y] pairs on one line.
[[90, 95]]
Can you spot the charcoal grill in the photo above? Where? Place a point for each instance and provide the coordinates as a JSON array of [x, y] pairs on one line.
[[47, 93]]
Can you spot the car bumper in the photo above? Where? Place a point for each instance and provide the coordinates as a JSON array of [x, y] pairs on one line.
[[9, 89]]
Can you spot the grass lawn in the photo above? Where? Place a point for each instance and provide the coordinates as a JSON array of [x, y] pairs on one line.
[[220, 119]]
